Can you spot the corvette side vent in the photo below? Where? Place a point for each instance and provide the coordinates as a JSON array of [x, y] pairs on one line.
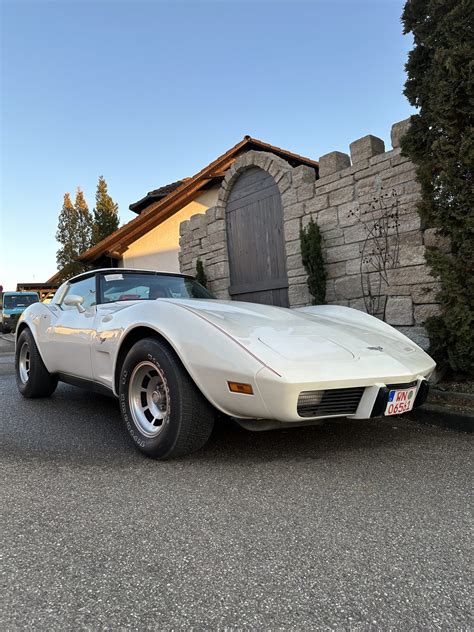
[[337, 401]]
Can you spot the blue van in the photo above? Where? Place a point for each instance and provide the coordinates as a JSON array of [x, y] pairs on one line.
[[13, 304]]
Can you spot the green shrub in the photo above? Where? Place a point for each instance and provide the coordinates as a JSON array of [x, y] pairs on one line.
[[313, 262], [200, 273], [441, 144]]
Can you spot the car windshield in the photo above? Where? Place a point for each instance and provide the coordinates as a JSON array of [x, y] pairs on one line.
[[19, 300], [118, 286]]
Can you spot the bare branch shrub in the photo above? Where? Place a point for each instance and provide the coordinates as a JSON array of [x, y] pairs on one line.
[[380, 249]]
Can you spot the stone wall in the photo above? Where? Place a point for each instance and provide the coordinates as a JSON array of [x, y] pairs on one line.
[[345, 202]]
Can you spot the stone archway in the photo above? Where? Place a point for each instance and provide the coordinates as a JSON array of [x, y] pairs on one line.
[[250, 200]]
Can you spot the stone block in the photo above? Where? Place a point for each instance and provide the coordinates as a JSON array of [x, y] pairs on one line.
[[358, 303], [399, 310], [327, 219], [293, 247], [211, 214], [298, 275], [289, 197], [305, 191], [283, 180], [390, 180], [348, 214], [398, 290], [424, 292], [341, 196], [410, 275], [303, 175], [409, 223], [388, 155], [196, 221], [398, 131], [370, 185], [316, 204], [217, 270], [412, 238], [218, 238], [342, 253], [216, 226], [423, 312], [275, 168], [348, 287], [336, 270], [293, 211], [397, 158], [338, 183], [366, 147], [356, 232], [292, 229], [220, 212], [184, 227], [330, 291], [298, 294], [293, 262], [333, 162], [373, 170], [417, 334], [411, 255], [333, 241], [222, 295], [219, 284], [198, 234]]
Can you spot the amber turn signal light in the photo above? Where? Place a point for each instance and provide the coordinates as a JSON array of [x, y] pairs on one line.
[[238, 387]]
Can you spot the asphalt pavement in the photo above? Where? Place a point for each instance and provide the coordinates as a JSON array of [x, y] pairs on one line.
[[353, 525]]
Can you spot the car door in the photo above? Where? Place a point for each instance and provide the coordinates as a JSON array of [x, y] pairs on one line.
[[70, 334]]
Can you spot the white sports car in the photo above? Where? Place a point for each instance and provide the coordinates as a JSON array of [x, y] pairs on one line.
[[175, 356]]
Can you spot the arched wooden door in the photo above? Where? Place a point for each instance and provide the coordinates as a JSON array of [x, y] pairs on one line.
[[257, 262]]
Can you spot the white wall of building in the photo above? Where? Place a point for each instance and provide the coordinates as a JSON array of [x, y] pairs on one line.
[[158, 249]]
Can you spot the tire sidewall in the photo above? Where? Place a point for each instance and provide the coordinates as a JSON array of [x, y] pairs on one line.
[[24, 338], [162, 444]]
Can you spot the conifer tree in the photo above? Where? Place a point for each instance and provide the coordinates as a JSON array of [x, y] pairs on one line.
[[73, 235], [66, 235], [84, 223], [441, 144], [106, 219]]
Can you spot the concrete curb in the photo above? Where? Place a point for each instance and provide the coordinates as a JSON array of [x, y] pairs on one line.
[[434, 415], [451, 395]]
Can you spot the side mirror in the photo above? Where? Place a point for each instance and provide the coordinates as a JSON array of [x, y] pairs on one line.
[[74, 300]]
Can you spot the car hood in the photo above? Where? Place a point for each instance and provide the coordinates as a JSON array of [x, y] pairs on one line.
[[294, 340]]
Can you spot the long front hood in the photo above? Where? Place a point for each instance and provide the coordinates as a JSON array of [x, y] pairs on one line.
[[317, 344]]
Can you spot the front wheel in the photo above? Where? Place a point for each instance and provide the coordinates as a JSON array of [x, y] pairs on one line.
[[163, 410], [32, 377]]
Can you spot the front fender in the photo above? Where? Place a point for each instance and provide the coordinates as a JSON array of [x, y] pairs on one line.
[[211, 357]]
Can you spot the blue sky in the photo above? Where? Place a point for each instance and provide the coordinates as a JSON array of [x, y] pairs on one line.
[[145, 93]]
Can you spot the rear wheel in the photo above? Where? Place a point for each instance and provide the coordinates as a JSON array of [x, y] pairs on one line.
[[32, 377], [163, 410]]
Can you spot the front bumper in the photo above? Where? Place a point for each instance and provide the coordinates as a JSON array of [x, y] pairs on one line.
[[281, 398]]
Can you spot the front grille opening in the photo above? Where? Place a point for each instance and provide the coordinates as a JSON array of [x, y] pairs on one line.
[[337, 401]]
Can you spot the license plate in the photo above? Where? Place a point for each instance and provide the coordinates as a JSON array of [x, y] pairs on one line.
[[400, 400]]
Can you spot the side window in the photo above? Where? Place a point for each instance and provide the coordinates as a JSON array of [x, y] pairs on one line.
[[84, 288]]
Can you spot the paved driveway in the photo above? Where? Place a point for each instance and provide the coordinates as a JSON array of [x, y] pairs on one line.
[[352, 525]]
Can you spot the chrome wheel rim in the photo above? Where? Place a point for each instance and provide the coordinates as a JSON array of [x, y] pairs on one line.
[[148, 398], [24, 363]]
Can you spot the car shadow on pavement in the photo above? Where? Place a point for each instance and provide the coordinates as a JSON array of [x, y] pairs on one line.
[[79, 425]]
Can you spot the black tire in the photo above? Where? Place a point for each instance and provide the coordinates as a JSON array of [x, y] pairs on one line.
[[38, 382], [187, 418]]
